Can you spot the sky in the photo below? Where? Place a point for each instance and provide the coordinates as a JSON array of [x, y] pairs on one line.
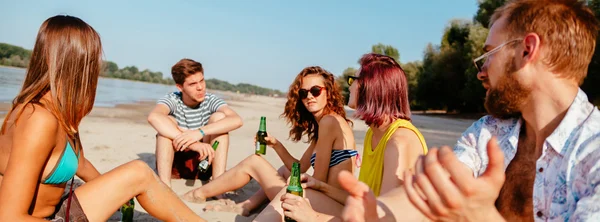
[[266, 42]]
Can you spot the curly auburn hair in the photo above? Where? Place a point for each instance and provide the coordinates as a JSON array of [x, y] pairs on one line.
[[302, 121]]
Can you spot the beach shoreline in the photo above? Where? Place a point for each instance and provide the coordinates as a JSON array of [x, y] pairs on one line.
[[115, 135]]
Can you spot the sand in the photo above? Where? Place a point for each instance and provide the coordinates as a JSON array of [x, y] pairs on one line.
[[117, 135]]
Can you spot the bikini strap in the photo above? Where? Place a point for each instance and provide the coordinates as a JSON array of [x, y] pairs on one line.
[[68, 210], [69, 200]]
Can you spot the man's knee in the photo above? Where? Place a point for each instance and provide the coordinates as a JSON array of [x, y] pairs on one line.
[[163, 142], [216, 117]]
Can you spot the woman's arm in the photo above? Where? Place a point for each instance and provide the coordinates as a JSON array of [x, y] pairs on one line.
[[401, 153], [282, 152], [329, 126], [86, 171], [334, 193], [305, 160], [26, 162]]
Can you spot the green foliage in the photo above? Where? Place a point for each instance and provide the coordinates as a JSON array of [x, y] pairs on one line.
[[590, 85], [16, 56], [111, 70], [387, 50], [19, 57], [412, 71], [449, 79], [343, 83], [446, 78], [486, 10], [241, 88]]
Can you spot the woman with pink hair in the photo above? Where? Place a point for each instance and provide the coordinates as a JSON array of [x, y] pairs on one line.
[[379, 94]]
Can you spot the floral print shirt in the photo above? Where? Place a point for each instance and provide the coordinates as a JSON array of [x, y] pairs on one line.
[[566, 186]]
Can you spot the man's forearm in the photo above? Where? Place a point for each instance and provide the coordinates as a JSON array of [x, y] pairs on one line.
[[164, 125], [225, 125]]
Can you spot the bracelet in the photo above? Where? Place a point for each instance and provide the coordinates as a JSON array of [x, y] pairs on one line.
[[202, 132]]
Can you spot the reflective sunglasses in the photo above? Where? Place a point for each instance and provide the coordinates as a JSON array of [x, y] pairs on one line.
[[351, 79], [480, 61], [314, 91]]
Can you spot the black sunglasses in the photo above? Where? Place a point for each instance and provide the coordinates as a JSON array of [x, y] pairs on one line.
[[314, 91], [351, 79]]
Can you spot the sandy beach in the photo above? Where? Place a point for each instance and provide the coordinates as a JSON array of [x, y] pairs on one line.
[[116, 135]]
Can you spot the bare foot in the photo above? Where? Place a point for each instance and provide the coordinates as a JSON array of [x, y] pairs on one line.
[[224, 196], [245, 211], [190, 197], [224, 206]]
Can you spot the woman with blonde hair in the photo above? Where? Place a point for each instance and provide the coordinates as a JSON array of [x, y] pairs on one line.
[[40, 148]]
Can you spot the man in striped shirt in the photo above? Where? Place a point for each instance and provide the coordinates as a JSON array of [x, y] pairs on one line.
[[188, 121]]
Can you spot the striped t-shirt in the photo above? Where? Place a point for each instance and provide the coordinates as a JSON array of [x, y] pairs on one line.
[[191, 118]]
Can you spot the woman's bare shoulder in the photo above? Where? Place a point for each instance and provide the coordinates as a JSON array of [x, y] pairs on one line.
[[404, 140], [33, 116], [332, 120]]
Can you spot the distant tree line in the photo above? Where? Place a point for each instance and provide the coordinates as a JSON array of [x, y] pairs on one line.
[[16, 56], [446, 79], [241, 88], [111, 70]]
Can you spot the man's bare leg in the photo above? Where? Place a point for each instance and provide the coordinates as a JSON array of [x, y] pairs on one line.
[[164, 158], [219, 163]]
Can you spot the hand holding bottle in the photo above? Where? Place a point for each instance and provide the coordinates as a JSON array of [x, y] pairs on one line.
[[271, 141]]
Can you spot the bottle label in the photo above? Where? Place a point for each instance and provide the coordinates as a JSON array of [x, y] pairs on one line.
[[257, 146], [203, 165]]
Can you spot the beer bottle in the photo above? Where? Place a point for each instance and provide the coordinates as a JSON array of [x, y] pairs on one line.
[[295, 186], [203, 165], [261, 143], [127, 211]]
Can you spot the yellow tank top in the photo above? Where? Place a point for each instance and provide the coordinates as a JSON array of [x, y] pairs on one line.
[[371, 171]]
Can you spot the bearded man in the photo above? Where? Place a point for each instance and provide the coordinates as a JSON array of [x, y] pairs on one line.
[[537, 155]]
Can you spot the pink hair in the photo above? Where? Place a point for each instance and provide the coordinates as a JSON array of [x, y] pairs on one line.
[[382, 90]]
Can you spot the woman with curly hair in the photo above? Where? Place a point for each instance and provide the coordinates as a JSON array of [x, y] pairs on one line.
[[379, 94], [315, 108]]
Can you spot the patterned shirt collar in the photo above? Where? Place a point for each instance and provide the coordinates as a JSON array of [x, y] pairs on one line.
[[577, 113]]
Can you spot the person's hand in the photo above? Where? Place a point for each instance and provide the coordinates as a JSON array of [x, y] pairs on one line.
[[204, 149], [444, 189], [308, 181], [361, 204], [186, 138], [297, 208], [271, 141]]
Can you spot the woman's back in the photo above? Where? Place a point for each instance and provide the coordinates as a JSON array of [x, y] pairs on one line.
[[343, 148], [48, 195], [400, 137]]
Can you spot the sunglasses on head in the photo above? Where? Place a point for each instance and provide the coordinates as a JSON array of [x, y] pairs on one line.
[[351, 79], [314, 91]]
